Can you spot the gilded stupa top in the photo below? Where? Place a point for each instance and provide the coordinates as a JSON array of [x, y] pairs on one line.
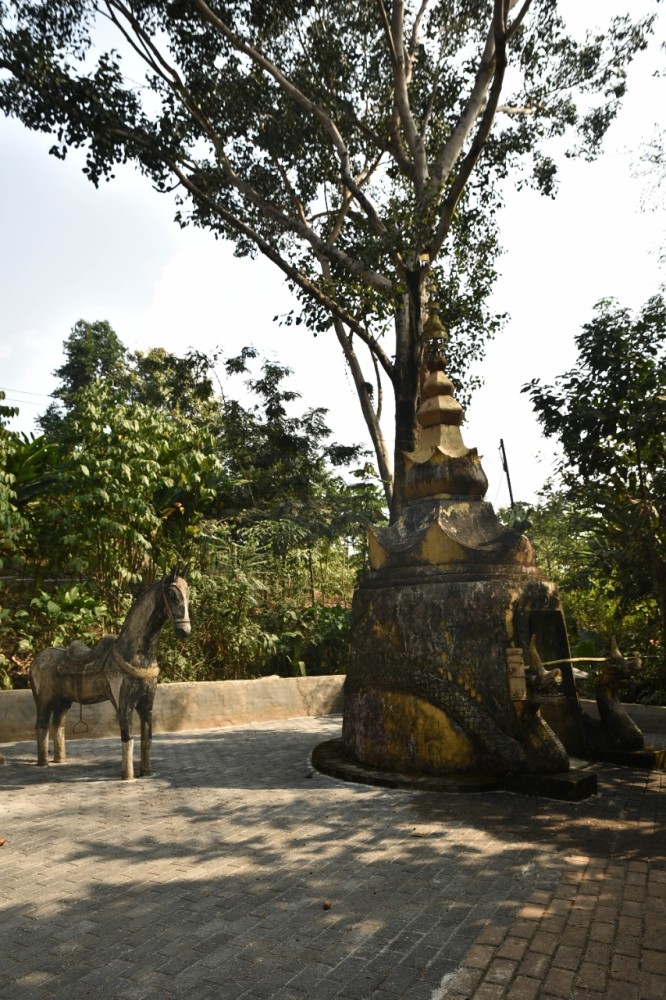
[[441, 465]]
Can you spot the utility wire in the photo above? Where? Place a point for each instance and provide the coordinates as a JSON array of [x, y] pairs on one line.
[[26, 392], [23, 402]]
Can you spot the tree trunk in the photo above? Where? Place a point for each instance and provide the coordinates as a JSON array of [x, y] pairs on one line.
[[370, 416], [409, 321]]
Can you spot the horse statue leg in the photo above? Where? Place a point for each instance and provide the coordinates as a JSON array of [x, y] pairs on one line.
[[42, 732], [41, 683], [60, 710], [126, 704], [144, 708], [127, 765]]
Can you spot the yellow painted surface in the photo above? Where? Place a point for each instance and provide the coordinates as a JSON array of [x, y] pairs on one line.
[[377, 554], [411, 734], [440, 410], [436, 384], [509, 614], [438, 548], [387, 634], [438, 444]]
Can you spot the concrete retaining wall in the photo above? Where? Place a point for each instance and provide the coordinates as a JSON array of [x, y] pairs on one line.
[[211, 704], [202, 705]]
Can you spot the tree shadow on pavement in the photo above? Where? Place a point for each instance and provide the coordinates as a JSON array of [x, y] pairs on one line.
[[239, 872]]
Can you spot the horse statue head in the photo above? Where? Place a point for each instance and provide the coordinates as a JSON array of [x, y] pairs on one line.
[[175, 593]]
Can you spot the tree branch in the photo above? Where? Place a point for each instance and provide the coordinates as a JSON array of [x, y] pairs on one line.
[[372, 278], [292, 272], [346, 201], [150, 54], [414, 40], [477, 103], [495, 72], [401, 65], [518, 19], [146, 50], [369, 414], [304, 102]]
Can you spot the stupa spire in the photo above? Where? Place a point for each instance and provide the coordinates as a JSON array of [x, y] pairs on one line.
[[441, 466]]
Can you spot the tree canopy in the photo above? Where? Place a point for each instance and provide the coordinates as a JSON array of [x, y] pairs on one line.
[[11, 522], [359, 146], [156, 378], [273, 466], [143, 465], [609, 415]]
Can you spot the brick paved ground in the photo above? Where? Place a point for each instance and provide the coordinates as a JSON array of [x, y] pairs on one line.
[[210, 879]]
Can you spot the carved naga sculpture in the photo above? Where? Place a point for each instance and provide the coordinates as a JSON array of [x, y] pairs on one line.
[[542, 685], [614, 730]]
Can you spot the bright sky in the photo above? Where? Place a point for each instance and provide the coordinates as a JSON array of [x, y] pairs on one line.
[[71, 252]]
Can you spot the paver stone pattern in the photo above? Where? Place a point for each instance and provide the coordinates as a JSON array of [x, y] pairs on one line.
[[238, 872]]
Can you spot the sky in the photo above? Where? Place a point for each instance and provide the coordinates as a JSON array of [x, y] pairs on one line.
[[70, 252]]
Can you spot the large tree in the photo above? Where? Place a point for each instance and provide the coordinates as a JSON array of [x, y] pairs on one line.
[[359, 146], [92, 351], [127, 488], [609, 415]]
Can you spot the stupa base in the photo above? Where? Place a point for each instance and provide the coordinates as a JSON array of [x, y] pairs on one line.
[[573, 785], [647, 759]]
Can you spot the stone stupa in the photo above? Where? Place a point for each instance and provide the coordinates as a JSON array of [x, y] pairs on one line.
[[439, 680]]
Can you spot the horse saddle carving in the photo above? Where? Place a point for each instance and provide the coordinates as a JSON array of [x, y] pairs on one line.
[[80, 658]]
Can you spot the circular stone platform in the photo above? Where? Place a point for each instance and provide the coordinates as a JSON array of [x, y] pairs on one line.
[[578, 783], [330, 758]]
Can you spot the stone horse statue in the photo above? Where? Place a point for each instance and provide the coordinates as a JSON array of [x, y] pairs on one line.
[[121, 670]]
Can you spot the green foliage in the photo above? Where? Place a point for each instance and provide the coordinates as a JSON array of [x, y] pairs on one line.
[[92, 352], [117, 497], [116, 488], [608, 412], [571, 547], [12, 524], [253, 611], [601, 533], [279, 467], [155, 378], [362, 149], [68, 608], [30, 461], [164, 381], [316, 643], [148, 467], [55, 616], [51, 618], [228, 640], [609, 415]]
